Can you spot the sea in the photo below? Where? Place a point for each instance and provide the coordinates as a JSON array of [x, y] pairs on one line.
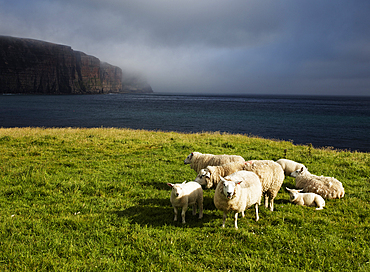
[[324, 121]]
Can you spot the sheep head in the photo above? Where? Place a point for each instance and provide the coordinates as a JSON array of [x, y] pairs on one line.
[[293, 193], [188, 158], [248, 165], [298, 172], [229, 187], [201, 178], [177, 189]]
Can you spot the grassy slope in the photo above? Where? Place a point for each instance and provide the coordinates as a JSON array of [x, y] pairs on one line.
[[97, 199]]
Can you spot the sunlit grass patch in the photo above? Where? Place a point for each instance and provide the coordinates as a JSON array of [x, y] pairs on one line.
[[97, 200]]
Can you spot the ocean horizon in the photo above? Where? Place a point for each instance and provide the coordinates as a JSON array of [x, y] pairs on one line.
[[340, 122]]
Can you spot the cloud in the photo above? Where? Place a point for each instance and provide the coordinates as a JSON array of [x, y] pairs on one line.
[[239, 46]]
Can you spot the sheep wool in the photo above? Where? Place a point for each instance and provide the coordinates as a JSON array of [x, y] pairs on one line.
[[327, 187], [306, 199], [200, 161], [272, 177], [289, 166], [237, 192], [210, 176], [184, 195]]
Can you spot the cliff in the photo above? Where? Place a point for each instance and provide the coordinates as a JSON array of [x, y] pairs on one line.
[[38, 67]]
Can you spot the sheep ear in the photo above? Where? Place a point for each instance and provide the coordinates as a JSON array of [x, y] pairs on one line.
[[208, 175], [300, 190], [222, 179], [184, 182], [286, 188], [170, 184], [238, 182]]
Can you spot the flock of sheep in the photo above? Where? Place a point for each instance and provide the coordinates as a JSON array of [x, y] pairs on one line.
[[240, 184]]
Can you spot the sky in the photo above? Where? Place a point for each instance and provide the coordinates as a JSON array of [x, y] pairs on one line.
[[305, 47]]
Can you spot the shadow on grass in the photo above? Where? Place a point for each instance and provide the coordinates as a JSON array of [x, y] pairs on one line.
[[156, 185], [159, 212], [280, 201]]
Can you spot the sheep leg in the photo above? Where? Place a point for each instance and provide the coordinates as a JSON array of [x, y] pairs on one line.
[[194, 209], [319, 207], [183, 212], [224, 219], [266, 201], [256, 209], [243, 214], [271, 204], [175, 211], [200, 210], [236, 220]]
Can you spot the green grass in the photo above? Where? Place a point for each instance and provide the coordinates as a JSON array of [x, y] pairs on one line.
[[97, 200]]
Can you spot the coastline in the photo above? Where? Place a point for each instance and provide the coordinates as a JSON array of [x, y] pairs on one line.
[[343, 123]]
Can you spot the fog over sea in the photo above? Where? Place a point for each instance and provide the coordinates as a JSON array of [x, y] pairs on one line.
[[339, 122]]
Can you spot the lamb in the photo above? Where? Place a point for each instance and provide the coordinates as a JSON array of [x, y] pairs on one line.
[[271, 175], [210, 176], [237, 192], [306, 199], [289, 166], [184, 195], [200, 161], [327, 187]]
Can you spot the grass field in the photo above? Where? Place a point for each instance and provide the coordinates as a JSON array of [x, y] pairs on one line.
[[97, 200]]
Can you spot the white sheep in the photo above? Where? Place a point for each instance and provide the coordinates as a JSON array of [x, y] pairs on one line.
[[200, 161], [327, 187], [237, 192], [306, 199], [210, 176], [272, 177], [184, 195], [289, 166]]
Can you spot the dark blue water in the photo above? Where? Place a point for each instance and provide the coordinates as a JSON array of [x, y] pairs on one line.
[[340, 122]]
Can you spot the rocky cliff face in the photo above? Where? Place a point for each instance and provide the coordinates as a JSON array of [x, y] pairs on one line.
[[31, 66]]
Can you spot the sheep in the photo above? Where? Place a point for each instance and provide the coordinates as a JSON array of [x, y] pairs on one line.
[[184, 195], [306, 199], [289, 166], [210, 176], [271, 175], [237, 192], [200, 161], [327, 187]]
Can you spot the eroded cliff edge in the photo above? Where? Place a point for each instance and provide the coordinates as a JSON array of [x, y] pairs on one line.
[[36, 67]]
